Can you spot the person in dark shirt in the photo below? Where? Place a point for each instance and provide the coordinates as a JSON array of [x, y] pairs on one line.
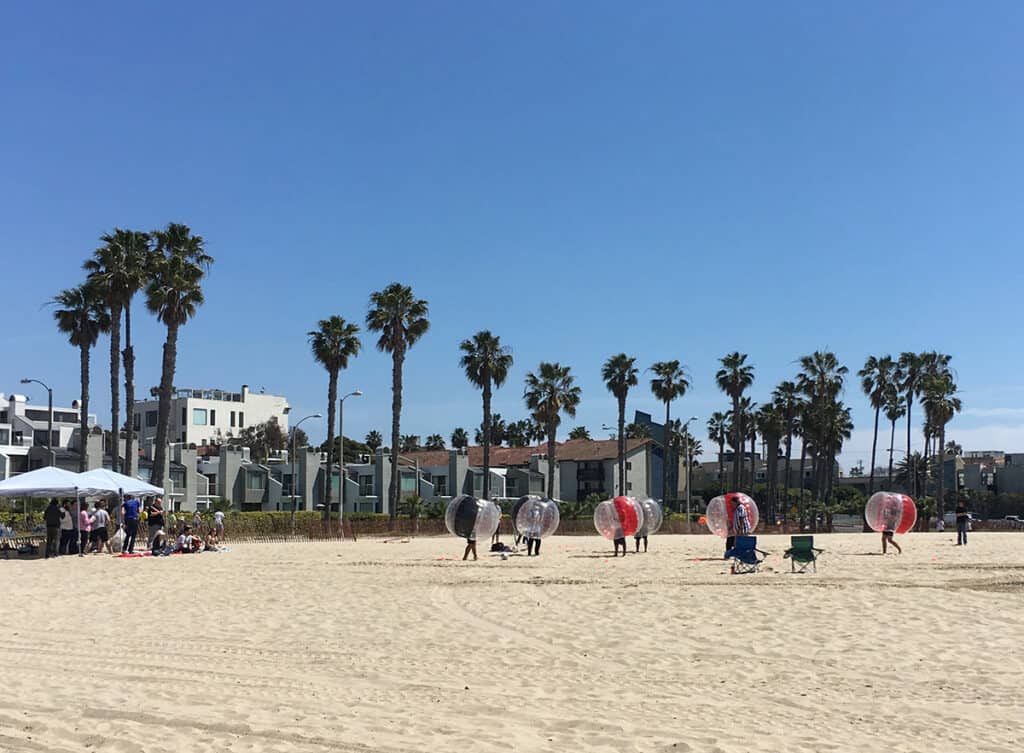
[[52, 519], [963, 518], [130, 514]]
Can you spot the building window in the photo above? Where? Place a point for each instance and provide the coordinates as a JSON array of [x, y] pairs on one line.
[[510, 486], [241, 420], [184, 416], [478, 483], [213, 417], [178, 478], [629, 486], [441, 486], [151, 418], [5, 436], [137, 421], [629, 466], [199, 416], [255, 480], [408, 483], [232, 418], [366, 486]]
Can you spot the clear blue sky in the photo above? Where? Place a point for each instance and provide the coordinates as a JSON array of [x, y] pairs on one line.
[[663, 179]]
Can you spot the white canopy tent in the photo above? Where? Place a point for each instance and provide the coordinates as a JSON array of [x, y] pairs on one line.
[[117, 483], [48, 482]]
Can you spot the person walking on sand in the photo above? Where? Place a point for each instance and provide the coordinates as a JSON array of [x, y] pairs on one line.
[[470, 546], [889, 529], [963, 519], [51, 516]]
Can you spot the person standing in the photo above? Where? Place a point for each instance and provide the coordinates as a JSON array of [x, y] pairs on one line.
[[218, 524], [67, 528], [197, 522], [100, 528], [130, 516], [470, 545], [154, 519], [963, 518], [84, 530], [51, 516]]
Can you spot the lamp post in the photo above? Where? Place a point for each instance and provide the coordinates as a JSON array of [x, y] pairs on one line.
[[294, 428], [341, 460], [49, 427]]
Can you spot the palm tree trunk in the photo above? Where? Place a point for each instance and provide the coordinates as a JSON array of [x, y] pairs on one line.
[[892, 449], [83, 460], [170, 359], [332, 400], [803, 460], [115, 384], [753, 453], [737, 444], [551, 461], [396, 412], [721, 462], [128, 354], [622, 445], [486, 487], [789, 449], [874, 444], [664, 462], [941, 488], [910, 400]]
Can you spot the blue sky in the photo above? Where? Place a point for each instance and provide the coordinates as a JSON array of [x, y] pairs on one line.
[[669, 180]]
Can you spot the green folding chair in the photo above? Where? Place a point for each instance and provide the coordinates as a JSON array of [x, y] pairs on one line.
[[802, 553]]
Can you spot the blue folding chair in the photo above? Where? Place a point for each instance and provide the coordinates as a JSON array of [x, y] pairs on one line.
[[745, 555]]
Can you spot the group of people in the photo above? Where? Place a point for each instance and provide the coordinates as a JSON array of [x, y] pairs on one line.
[[91, 533]]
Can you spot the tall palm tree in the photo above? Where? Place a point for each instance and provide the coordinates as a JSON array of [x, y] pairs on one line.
[[910, 365], [670, 381], [876, 381], [82, 315], [117, 269], [771, 423], [333, 343], [941, 402], [549, 393], [374, 440], [735, 376], [460, 439], [401, 320], [718, 427], [821, 379], [579, 432], [486, 363], [788, 397], [894, 411], [174, 293], [619, 374]]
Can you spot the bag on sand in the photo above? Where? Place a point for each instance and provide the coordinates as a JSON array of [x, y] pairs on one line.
[[117, 541]]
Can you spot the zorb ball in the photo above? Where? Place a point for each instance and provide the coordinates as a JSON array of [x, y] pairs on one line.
[[653, 517], [535, 517], [469, 517], [721, 513], [618, 518], [888, 511]]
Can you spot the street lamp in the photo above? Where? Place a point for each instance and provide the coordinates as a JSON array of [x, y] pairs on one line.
[[341, 458], [294, 429], [49, 427]]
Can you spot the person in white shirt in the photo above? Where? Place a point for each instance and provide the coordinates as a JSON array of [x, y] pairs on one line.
[[67, 528], [100, 534], [218, 524]]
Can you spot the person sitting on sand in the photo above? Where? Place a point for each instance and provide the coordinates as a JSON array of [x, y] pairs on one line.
[[159, 543], [211, 543], [187, 543]]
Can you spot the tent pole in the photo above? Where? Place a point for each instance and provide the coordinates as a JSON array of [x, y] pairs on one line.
[[78, 522]]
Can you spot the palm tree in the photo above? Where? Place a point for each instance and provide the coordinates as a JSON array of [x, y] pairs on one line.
[[434, 442], [670, 381], [821, 380], [894, 411], [635, 430], [735, 376], [497, 434], [771, 423], [374, 440], [718, 432], [787, 397], [910, 376], [82, 316], [942, 404], [409, 443], [549, 393], [486, 363], [333, 343], [579, 432], [174, 293], [954, 449], [876, 380], [911, 471], [619, 374], [117, 269], [460, 439], [401, 319]]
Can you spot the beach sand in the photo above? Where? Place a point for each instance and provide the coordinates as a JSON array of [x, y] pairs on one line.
[[375, 646]]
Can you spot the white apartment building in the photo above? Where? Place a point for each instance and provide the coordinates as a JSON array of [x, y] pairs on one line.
[[24, 425], [210, 416]]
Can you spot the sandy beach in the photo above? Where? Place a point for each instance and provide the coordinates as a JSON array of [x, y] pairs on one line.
[[375, 646]]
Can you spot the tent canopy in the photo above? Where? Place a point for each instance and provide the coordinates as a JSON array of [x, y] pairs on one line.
[[112, 483], [47, 482]]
